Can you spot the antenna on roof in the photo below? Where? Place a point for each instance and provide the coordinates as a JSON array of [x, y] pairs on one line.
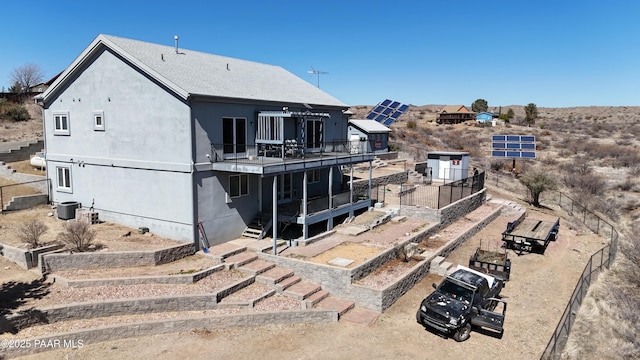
[[175, 37], [318, 73]]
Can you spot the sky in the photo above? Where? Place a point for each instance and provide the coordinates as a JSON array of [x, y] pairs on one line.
[[552, 53]]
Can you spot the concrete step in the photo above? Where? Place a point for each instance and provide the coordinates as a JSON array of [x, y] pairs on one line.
[[239, 260], [443, 269], [316, 298], [437, 261], [256, 267], [288, 282], [274, 275], [335, 303], [223, 251], [302, 290]]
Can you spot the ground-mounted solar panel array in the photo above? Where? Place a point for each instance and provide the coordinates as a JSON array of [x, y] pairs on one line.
[[387, 112], [513, 146]]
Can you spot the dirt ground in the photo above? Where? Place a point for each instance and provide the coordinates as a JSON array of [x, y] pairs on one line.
[[109, 236], [537, 293]]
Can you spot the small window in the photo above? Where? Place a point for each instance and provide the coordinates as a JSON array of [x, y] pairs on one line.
[[238, 185], [314, 176], [61, 124], [64, 178], [98, 120]]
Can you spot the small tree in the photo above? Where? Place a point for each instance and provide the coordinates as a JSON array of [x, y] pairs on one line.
[[27, 75], [479, 105], [531, 114], [31, 231], [538, 181], [510, 115], [77, 234]]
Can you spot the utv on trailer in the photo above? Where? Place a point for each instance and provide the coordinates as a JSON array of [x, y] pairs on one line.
[[464, 298]]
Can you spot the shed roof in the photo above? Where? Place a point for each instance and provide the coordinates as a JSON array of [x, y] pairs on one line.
[[192, 73], [369, 126]]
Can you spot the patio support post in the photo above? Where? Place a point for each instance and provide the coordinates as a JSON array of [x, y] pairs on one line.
[[351, 192], [305, 227], [275, 214], [330, 220], [370, 176]]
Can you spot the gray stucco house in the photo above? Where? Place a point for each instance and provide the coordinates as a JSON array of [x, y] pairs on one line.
[[168, 138]]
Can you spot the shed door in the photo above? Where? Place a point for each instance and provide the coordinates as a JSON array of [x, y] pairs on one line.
[[444, 169]]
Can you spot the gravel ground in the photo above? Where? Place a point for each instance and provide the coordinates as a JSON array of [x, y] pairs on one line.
[[59, 294], [189, 264]]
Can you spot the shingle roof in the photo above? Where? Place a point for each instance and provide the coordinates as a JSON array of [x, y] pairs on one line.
[[196, 73], [454, 109]]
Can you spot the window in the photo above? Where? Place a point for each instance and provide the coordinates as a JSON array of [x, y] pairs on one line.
[[61, 124], [64, 178], [98, 120], [314, 176], [234, 135], [314, 133], [238, 185]]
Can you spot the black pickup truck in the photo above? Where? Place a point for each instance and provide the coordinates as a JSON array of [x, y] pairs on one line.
[[464, 298]]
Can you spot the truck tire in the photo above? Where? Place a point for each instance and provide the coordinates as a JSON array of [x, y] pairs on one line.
[[462, 333]]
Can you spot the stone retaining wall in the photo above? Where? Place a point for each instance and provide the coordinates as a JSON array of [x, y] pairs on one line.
[[24, 152], [134, 280], [362, 186], [26, 202], [107, 259], [108, 333], [25, 258], [116, 307]]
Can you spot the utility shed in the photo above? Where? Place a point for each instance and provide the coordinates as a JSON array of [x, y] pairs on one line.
[[448, 165], [372, 132]]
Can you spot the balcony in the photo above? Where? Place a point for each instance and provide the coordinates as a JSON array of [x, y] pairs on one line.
[[318, 208], [274, 159]]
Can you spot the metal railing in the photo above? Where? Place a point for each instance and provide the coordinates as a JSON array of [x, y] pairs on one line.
[[264, 154], [437, 197], [603, 258]]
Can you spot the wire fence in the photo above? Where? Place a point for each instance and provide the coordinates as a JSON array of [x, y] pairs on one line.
[[603, 258], [11, 191]]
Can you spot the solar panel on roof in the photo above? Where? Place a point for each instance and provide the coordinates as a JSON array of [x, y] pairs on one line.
[[387, 111]]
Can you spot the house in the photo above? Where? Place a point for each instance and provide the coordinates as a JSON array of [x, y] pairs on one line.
[[176, 140], [486, 118], [454, 114], [374, 134]]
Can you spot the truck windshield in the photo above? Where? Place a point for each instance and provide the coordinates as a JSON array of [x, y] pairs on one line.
[[455, 291]]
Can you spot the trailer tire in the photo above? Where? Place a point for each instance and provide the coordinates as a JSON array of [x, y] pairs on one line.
[[462, 333]]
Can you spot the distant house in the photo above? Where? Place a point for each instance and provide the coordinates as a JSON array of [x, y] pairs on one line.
[[486, 118], [177, 140], [454, 114], [373, 134], [43, 86]]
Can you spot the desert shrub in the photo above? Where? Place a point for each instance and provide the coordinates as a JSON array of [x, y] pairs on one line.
[[77, 234], [15, 112], [537, 181], [31, 231], [593, 183], [411, 124]]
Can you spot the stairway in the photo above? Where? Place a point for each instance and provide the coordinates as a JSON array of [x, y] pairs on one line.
[[259, 226], [282, 280]]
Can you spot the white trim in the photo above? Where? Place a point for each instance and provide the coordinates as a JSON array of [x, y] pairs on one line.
[[61, 123], [63, 181], [98, 120]]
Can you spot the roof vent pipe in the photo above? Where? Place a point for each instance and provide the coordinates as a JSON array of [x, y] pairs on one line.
[[175, 37]]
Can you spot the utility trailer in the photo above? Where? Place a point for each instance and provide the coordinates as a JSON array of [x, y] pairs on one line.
[[530, 235], [491, 258]]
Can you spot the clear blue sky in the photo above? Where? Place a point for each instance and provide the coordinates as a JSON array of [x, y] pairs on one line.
[[552, 53]]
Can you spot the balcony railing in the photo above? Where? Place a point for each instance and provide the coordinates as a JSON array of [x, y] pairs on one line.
[[264, 154], [321, 203]]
